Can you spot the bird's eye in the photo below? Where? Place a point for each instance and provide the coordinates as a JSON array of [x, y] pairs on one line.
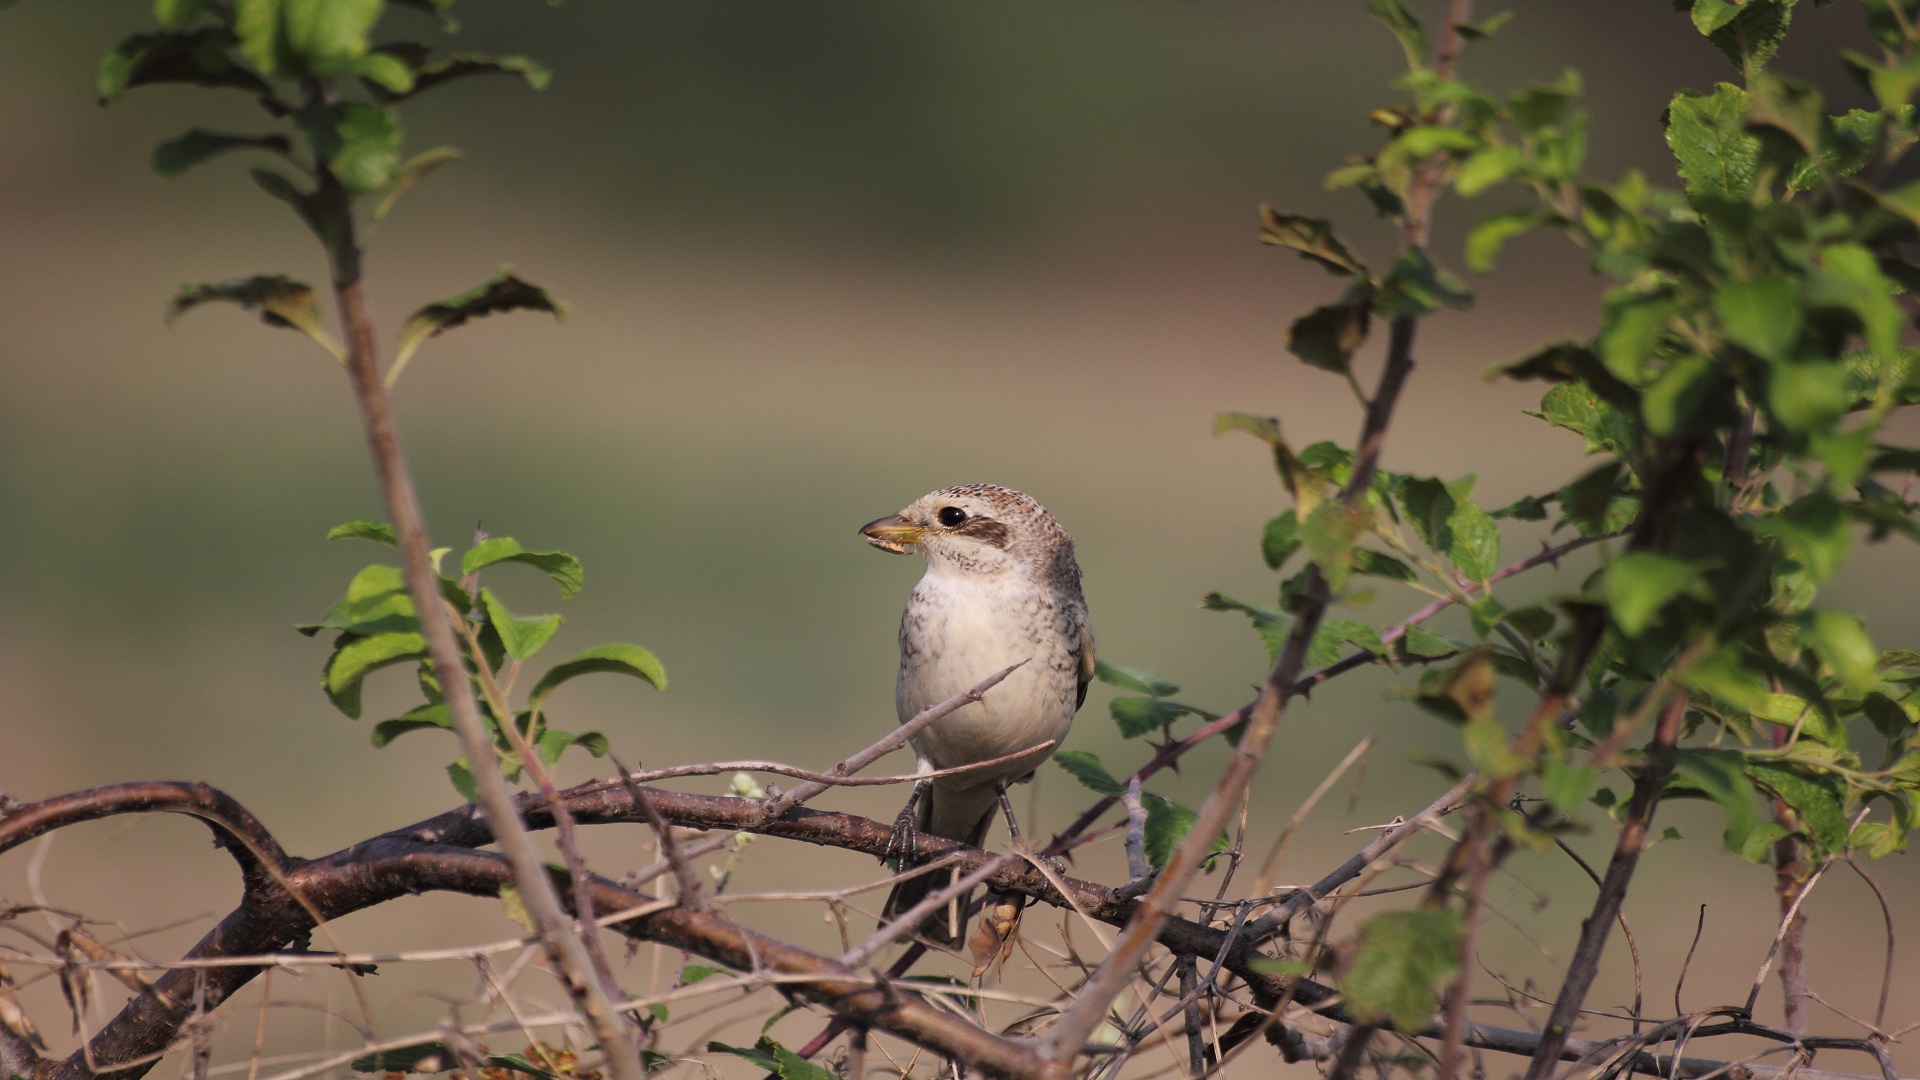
[[952, 517]]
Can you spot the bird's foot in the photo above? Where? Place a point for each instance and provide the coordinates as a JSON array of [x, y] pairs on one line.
[[903, 843]]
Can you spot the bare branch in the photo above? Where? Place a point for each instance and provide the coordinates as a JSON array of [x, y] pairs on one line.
[[894, 740]]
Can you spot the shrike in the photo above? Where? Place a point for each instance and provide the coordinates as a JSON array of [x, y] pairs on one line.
[[1001, 587]]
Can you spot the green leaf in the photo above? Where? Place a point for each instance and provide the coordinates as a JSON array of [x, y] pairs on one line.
[[1566, 786], [1761, 316], [1759, 843], [461, 775], [426, 716], [695, 973], [1576, 408], [1631, 326], [1476, 541], [1680, 395], [328, 35], [1280, 539], [1395, 17], [503, 293], [278, 300], [1839, 639], [1403, 956], [376, 602], [1425, 643], [1543, 104], [1793, 108], [1640, 583], [1886, 715], [1487, 239], [198, 58], [356, 657], [414, 170], [1719, 159], [377, 531], [384, 71], [618, 659], [522, 638], [1592, 500], [1414, 286], [1461, 693], [563, 568], [1747, 33], [1818, 806], [177, 155], [1168, 823], [1482, 170], [776, 1059], [1137, 716], [1718, 775], [462, 65], [1569, 361], [176, 14], [1381, 565], [1329, 534], [1429, 509], [1086, 768], [1313, 238], [1327, 336], [1272, 626], [1816, 533], [1729, 676], [1138, 680], [427, 1058], [257, 28], [1334, 635], [553, 743], [367, 155], [1850, 279]]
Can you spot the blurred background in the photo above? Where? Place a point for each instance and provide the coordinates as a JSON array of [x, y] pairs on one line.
[[821, 259]]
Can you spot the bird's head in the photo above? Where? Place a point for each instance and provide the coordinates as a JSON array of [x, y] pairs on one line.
[[977, 528]]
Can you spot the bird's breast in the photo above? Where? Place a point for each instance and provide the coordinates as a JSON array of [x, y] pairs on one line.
[[958, 630]]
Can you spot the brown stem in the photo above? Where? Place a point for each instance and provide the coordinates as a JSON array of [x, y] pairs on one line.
[[565, 950], [1353, 1052], [1613, 890], [1790, 874]]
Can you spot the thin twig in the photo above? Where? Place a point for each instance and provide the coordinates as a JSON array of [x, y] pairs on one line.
[[567, 952], [692, 896], [894, 740], [1886, 917], [1585, 964], [1699, 928]]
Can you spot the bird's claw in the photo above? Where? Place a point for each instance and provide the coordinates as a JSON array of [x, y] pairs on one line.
[[903, 842]]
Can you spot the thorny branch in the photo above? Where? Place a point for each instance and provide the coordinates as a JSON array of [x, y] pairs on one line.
[[438, 854]]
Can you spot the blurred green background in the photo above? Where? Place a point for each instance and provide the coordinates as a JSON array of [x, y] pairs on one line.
[[821, 258]]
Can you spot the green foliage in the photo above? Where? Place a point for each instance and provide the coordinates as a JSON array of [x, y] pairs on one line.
[[775, 1059], [1403, 956], [334, 97], [1753, 338], [377, 626], [503, 293]]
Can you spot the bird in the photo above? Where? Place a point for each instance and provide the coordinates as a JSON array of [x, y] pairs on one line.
[[1001, 587]]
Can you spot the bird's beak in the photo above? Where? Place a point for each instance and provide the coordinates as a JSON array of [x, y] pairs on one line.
[[892, 533]]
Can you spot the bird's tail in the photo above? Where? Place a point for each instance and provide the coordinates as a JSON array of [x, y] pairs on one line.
[[947, 926]]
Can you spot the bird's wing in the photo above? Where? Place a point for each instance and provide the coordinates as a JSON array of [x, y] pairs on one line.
[[1085, 649]]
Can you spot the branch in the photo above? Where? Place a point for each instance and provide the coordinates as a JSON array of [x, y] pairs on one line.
[[404, 862], [1613, 889], [894, 740], [565, 949]]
